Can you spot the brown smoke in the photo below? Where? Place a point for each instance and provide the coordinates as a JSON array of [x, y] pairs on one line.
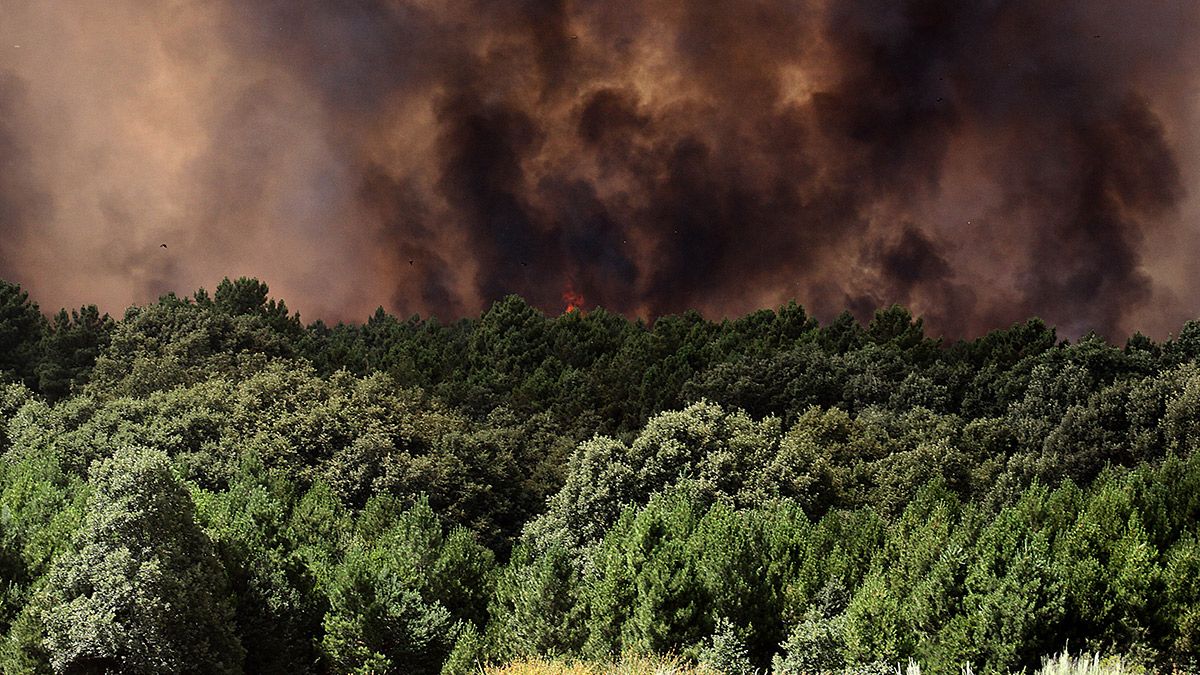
[[978, 160]]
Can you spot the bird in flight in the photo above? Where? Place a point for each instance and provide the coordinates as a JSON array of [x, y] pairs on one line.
[[163, 245]]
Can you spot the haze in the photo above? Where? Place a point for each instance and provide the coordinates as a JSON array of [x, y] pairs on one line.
[[979, 161]]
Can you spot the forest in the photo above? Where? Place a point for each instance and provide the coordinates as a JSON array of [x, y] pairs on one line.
[[209, 485]]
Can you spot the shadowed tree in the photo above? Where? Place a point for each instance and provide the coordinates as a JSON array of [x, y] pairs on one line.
[[69, 350], [21, 329]]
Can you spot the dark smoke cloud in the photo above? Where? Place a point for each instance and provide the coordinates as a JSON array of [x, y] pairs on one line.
[[21, 203], [980, 161]]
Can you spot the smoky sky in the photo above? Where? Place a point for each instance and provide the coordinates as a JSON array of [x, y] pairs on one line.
[[979, 161]]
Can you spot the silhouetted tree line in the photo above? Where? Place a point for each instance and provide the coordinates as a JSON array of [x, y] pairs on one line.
[[209, 485]]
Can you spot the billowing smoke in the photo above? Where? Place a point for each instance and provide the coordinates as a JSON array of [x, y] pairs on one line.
[[980, 161]]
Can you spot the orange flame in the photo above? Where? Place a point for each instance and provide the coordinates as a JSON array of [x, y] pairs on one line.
[[574, 300]]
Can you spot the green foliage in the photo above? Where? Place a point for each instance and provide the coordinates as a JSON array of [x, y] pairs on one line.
[[813, 646], [21, 329], [945, 583], [69, 350], [671, 607], [469, 653], [279, 607], [397, 602], [181, 342], [143, 591], [418, 496], [537, 606], [727, 651]]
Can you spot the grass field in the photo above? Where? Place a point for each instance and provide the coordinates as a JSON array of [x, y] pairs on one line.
[[630, 665], [1062, 664]]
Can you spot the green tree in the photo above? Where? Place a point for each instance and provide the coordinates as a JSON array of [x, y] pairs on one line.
[[537, 607], [397, 601], [279, 608], [1012, 594], [144, 591], [69, 350], [648, 594], [816, 645], [21, 329]]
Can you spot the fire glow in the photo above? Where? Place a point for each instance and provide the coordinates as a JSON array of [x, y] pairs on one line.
[[573, 300], [662, 156]]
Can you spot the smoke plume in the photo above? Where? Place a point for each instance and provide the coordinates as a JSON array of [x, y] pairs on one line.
[[980, 161]]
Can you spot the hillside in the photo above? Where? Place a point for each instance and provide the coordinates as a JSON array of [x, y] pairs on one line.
[[208, 484]]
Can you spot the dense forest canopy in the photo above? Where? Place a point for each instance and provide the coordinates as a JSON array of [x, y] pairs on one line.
[[207, 484]]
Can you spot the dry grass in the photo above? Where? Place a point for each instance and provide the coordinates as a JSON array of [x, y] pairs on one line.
[[1062, 664], [1065, 664], [629, 665]]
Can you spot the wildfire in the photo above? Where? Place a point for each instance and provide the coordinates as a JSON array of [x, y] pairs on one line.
[[574, 300]]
